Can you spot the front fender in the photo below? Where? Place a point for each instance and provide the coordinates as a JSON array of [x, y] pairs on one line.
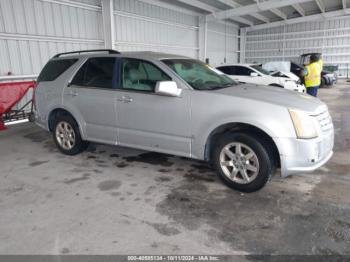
[[275, 124]]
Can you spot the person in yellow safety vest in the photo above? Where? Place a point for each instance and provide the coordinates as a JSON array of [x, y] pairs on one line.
[[312, 75]]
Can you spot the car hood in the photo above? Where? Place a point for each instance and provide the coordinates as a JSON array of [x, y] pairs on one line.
[[281, 79], [291, 75], [274, 95]]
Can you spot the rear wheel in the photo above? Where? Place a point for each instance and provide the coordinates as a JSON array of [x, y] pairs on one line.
[[242, 162], [67, 136]]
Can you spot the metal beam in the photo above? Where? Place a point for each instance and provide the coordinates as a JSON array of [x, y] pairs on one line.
[[344, 4], [279, 13], [320, 5], [234, 4], [212, 9], [261, 17], [253, 8], [74, 4], [302, 19], [242, 20], [299, 9], [200, 5], [162, 4]]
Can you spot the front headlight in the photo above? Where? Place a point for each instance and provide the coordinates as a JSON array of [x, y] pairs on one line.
[[305, 126]]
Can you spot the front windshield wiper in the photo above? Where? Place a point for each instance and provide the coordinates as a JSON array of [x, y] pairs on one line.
[[219, 87]]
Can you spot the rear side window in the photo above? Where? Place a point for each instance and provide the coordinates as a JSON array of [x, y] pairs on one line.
[[243, 71], [228, 70], [96, 72], [54, 69]]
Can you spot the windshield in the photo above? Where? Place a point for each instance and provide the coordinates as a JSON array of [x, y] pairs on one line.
[[260, 69], [199, 75]]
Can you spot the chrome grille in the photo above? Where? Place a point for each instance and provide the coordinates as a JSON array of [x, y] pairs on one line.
[[325, 120]]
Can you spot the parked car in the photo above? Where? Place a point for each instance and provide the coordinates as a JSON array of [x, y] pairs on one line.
[[329, 75], [288, 75], [181, 106], [255, 74]]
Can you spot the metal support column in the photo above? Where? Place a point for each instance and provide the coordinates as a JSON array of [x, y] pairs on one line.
[[108, 23], [202, 37], [242, 43]]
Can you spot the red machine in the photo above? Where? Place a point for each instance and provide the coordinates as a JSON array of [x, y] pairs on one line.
[[11, 93]]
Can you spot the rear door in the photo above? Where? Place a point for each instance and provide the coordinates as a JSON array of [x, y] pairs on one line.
[[91, 95], [147, 120], [49, 88]]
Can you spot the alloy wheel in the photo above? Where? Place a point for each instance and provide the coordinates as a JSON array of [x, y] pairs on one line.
[[65, 135], [239, 163]]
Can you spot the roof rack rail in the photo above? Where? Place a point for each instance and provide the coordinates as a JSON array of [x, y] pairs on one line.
[[110, 51]]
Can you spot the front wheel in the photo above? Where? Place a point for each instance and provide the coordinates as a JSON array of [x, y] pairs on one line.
[[242, 162], [67, 136]]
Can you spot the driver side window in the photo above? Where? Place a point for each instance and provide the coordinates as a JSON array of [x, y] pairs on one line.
[[141, 75]]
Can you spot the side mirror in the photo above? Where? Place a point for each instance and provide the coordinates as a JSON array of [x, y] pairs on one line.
[[254, 74], [167, 88]]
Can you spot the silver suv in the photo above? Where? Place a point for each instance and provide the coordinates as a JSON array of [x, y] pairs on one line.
[[181, 106]]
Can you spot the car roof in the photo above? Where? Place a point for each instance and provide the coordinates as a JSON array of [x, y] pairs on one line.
[[307, 54], [243, 64], [148, 55], [153, 55]]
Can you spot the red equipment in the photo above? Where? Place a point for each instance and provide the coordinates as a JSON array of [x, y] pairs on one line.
[[10, 94]]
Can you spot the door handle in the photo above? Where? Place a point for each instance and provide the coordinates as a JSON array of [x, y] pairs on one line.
[[125, 99]]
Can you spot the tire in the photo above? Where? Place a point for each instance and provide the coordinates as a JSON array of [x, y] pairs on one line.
[[67, 136], [262, 163], [327, 80]]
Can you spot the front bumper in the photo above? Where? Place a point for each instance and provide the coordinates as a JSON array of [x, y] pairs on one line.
[[301, 88], [305, 155], [290, 85]]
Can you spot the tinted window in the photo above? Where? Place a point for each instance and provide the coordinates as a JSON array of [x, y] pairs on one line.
[[54, 69], [295, 68], [96, 72], [228, 70], [243, 71], [260, 69], [141, 75]]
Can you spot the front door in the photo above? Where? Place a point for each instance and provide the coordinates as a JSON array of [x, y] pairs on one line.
[[147, 120], [92, 97]]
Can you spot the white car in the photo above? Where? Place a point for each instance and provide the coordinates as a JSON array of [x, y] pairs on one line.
[[255, 74]]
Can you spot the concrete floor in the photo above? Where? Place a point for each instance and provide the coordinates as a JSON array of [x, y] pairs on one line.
[[112, 200]]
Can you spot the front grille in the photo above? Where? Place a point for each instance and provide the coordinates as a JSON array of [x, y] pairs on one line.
[[325, 120]]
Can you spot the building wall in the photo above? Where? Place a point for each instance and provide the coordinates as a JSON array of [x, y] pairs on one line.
[[32, 31], [222, 44], [285, 43], [142, 26]]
